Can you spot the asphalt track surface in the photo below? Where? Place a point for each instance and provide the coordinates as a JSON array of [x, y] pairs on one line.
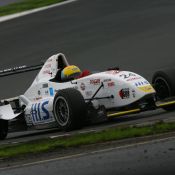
[[134, 35], [154, 157], [7, 2], [94, 34], [146, 118]]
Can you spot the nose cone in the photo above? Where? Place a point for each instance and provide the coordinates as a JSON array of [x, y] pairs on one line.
[[137, 85]]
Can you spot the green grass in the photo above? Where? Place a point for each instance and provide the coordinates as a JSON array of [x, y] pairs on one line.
[[46, 145], [25, 5]]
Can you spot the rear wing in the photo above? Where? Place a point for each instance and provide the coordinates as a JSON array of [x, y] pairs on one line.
[[9, 108], [19, 69], [9, 100]]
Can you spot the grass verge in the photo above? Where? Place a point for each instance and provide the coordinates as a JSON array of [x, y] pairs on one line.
[[46, 145], [26, 5]]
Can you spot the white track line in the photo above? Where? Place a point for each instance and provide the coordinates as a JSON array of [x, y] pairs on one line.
[[88, 153], [28, 12]]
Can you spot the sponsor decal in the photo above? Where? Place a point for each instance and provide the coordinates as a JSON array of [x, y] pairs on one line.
[[124, 93], [39, 111], [141, 83], [134, 78], [111, 84], [82, 86], [147, 89], [13, 69], [127, 75], [95, 81], [45, 85], [51, 91], [144, 86], [106, 80]]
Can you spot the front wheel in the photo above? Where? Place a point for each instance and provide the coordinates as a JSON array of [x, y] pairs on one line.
[[69, 109], [164, 84], [3, 129]]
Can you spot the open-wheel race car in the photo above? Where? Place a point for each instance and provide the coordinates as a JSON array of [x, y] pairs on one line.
[[62, 96]]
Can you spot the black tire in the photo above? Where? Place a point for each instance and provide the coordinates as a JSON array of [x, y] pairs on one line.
[[164, 84], [3, 129], [69, 109]]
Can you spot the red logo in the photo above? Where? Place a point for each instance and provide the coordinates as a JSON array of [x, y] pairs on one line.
[[111, 84], [95, 81]]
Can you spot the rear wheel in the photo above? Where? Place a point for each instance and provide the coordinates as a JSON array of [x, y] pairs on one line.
[[3, 129], [69, 109], [164, 84]]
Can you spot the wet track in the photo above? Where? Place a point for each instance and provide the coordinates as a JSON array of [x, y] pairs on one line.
[[138, 119], [153, 157], [137, 36], [94, 34]]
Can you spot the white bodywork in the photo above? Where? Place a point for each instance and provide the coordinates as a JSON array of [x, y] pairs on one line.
[[7, 113], [123, 87]]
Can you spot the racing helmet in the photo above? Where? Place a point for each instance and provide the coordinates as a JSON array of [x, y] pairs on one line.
[[70, 72]]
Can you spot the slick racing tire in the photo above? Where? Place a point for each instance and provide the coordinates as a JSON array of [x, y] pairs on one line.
[[69, 109], [164, 84], [3, 129]]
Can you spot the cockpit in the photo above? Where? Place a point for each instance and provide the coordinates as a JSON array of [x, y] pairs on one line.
[[66, 72]]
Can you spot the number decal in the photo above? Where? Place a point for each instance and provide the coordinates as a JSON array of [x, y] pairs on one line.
[[125, 76], [39, 112]]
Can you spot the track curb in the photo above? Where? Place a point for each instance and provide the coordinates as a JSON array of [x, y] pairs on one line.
[[28, 12]]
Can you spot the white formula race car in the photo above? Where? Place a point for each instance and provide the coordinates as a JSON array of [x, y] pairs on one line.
[[50, 102]]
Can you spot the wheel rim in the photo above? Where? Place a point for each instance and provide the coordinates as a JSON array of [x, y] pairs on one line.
[[62, 111], [162, 88]]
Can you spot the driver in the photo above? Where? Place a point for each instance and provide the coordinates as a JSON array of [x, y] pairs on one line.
[[70, 73]]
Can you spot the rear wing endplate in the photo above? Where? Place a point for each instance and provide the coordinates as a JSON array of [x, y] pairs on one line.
[[7, 113]]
